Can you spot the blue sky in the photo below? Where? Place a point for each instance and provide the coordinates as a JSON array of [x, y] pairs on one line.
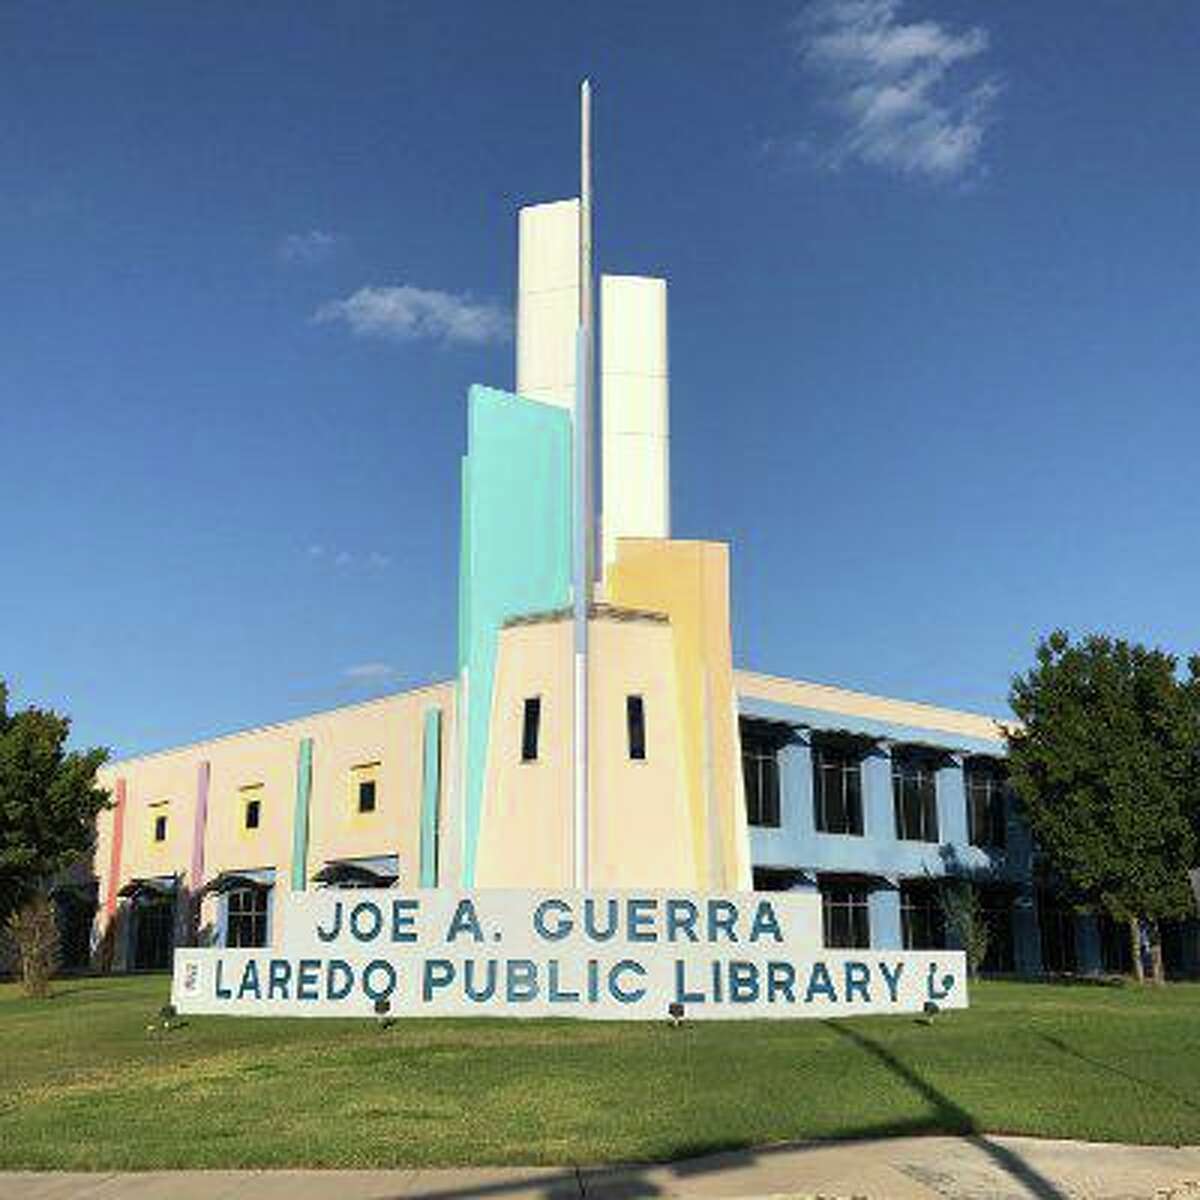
[[935, 286]]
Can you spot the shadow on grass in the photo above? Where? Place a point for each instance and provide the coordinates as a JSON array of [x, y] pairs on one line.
[[635, 1182], [1070, 1051], [951, 1116]]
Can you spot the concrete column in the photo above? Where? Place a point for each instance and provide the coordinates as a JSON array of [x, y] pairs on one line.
[[635, 423], [796, 794], [952, 804], [885, 919], [548, 301], [879, 813]]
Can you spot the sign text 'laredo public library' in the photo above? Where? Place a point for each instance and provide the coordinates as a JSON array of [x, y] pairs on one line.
[[609, 955]]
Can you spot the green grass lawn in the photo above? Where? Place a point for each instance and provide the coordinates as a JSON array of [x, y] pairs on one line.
[[83, 1084]]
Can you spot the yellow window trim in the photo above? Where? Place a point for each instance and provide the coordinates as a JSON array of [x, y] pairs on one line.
[[360, 773], [247, 793]]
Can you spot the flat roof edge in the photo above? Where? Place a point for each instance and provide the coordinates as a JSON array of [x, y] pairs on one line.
[[833, 691]]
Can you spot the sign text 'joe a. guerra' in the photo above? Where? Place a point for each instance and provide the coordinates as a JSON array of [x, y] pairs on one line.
[[612, 955]]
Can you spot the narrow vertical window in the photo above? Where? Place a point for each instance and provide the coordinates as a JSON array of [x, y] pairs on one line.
[[635, 719], [253, 813], [366, 796], [530, 727], [160, 829]]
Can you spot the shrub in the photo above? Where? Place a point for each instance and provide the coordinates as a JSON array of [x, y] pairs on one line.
[[34, 930]]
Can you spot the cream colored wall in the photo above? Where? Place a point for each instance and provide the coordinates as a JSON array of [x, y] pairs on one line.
[[387, 731], [634, 392], [638, 832], [170, 778], [525, 823], [547, 301], [797, 692]]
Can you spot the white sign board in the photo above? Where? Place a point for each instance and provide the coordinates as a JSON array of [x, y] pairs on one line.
[[600, 955]]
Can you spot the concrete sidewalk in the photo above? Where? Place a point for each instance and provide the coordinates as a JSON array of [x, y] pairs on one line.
[[886, 1169]]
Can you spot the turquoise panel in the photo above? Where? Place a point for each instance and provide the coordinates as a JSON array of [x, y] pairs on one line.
[[430, 789], [300, 820], [515, 556]]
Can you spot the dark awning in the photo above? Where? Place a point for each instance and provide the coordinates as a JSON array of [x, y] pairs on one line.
[[149, 889], [346, 873], [851, 740], [767, 730], [933, 751], [231, 881], [781, 879], [867, 879]]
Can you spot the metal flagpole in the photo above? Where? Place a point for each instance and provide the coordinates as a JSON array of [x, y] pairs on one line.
[[583, 499]]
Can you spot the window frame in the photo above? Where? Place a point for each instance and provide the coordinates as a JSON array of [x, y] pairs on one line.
[[635, 726], [362, 773], [993, 777], [372, 783], [922, 918], [845, 900], [531, 729], [920, 770], [760, 747], [252, 919], [845, 761], [159, 828]]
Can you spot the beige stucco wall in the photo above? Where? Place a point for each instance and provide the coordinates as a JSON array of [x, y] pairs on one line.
[[387, 732], [638, 831]]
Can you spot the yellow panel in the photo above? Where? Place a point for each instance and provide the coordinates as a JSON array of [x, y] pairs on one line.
[[689, 581]]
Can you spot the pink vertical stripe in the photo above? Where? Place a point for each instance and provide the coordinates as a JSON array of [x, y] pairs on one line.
[[114, 862], [197, 874]]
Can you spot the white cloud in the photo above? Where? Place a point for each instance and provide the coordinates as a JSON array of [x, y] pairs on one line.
[[316, 550], [315, 246], [370, 672], [377, 559], [405, 313], [908, 97], [343, 558]]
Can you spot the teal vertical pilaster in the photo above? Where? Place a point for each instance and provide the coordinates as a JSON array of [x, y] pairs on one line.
[[431, 786], [300, 820]]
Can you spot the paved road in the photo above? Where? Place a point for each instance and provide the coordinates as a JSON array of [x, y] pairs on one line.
[[998, 1168]]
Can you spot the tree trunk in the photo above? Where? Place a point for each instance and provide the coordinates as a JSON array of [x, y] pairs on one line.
[[1135, 948], [1156, 954]]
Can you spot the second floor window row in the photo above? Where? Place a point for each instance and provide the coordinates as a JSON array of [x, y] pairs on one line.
[[837, 788]]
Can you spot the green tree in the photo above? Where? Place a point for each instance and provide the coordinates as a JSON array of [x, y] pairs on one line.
[[1105, 764], [48, 805]]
